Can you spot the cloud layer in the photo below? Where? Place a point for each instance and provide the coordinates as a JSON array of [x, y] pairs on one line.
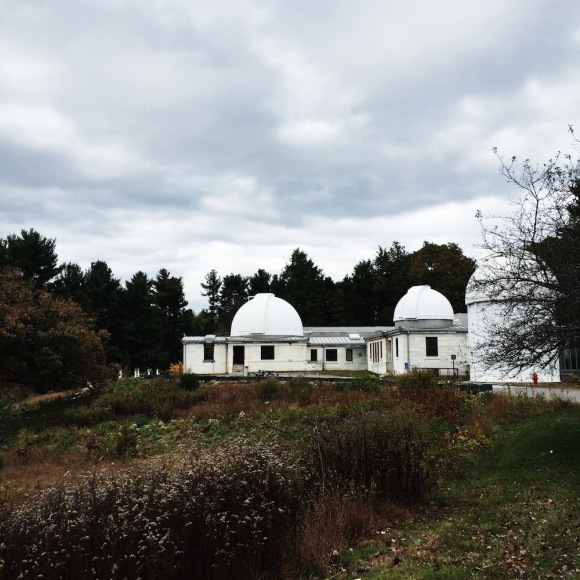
[[193, 135]]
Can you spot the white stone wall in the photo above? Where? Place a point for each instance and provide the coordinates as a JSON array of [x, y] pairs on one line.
[[287, 357], [193, 359], [416, 357], [482, 316], [294, 357], [384, 360]]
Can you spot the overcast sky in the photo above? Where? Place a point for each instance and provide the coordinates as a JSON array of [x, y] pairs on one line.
[[193, 135]]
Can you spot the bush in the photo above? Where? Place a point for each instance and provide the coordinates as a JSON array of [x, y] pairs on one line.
[[268, 389], [5, 414], [412, 384], [189, 381], [383, 453], [228, 513], [301, 390], [158, 398], [367, 383]]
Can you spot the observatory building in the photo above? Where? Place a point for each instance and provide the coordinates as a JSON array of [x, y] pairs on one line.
[[267, 336], [494, 282], [427, 335]]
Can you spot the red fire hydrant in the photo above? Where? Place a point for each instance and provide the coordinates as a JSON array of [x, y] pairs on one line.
[[535, 378]]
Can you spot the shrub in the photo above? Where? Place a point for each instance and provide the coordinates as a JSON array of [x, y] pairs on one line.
[[301, 390], [268, 389], [412, 384], [189, 381], [229, 513], [158, 398], [5, 414], [383, 453], [367, 383]]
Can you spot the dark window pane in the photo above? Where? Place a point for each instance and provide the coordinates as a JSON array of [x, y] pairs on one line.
[[268, 352], [208, 351], [331, 354], [431, 346]]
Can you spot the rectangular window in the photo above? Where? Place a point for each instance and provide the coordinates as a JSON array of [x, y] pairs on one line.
[[268, 352], [331, 354], [349, 354], [431, 346], [208, 352], [313, 355], [397, 347]]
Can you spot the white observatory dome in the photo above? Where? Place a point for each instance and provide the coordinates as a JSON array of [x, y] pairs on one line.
[[265, 314], [422, 306], [502, 277]]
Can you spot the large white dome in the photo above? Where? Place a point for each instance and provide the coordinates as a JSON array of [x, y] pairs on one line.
[[268, 315], [504, 277], [423, 303]]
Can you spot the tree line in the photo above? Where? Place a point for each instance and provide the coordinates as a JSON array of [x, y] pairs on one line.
[[47, 306], [367, 297]]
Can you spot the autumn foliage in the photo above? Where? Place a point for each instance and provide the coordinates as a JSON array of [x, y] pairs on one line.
[[46, 342]]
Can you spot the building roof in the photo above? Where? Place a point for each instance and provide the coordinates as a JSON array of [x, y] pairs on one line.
[[336, 341], [423, 303], [265, 314]]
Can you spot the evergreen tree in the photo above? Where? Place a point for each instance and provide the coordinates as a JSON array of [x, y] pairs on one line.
[[233, 295], [33, 254], [103, 292], [170, 303], [140, 323], [212, 287], [70, 284], [305, 287], [392, 280], [260, 282], [354, 300]]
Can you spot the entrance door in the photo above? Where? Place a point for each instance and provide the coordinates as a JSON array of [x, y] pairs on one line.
[[238, 355]]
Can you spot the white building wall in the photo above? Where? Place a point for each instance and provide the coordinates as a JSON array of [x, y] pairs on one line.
[[413, 352], [379, 356], [294, 357], [193, 359], [482, 317], [287, 357]]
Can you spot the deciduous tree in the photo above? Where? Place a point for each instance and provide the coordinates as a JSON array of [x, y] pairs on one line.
[[445, 268], [46, 342], [536, 265]]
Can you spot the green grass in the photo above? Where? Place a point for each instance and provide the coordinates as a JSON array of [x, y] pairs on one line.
[[515, 514]]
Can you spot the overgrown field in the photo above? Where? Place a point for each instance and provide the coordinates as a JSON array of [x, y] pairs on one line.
[[172, 479]]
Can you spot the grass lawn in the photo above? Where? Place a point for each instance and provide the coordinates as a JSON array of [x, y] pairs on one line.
[[514, 513]]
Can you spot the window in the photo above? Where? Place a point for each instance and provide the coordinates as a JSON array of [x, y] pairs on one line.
[[208, 351], [431, 346], [331, 355], [397, 347], [349, 354], [376, 351], [313, 355], [268, 352]]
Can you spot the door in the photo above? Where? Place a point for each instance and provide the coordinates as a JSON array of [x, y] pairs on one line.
[[239, 355]]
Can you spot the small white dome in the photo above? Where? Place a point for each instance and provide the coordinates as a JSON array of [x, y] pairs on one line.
[[423, 303], [268, 315]]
